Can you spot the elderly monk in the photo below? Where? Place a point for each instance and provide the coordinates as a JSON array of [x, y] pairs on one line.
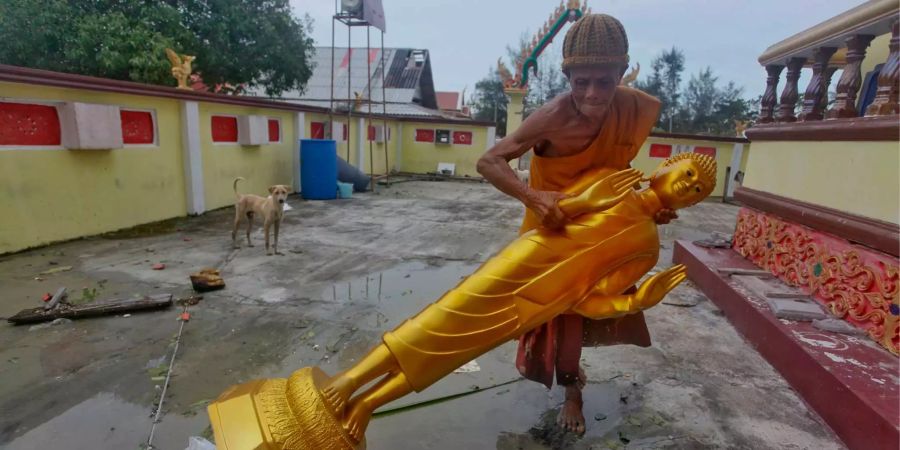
[[608, 242], [598, 124]]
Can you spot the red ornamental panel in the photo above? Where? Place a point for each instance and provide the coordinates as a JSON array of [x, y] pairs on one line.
[[708, 151], [858, 285], [317, 130], [462, 137], [424, 135], [137, 127], [224, 129], [660, 150], [28, 124], [274, 130]]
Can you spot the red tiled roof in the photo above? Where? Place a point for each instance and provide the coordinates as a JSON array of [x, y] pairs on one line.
[[447, 100]]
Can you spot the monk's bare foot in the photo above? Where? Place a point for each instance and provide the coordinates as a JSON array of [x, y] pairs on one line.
[[337, 392], [357, 419], [570, 416]]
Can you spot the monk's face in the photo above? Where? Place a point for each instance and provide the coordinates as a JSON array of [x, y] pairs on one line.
[[593, 88], [680, 185]]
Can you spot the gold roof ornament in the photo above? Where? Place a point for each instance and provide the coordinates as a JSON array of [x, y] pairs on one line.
[[181, 67]]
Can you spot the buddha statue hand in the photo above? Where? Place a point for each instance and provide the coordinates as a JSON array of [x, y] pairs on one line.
[[656, 287], [603, 194], [601, 305]]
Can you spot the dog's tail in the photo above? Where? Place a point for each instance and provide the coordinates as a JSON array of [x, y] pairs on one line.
[[235, 186]]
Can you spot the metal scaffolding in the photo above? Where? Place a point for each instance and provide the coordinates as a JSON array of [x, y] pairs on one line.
[[352, 21]]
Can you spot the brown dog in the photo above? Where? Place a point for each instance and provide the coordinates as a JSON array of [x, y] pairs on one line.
[[270, 208]]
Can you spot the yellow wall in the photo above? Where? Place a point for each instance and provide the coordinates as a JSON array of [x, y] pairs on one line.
[[56, 194], [261, 166], [877, 53], [53, 194], [646, 164], [856, 177], [423, 157]]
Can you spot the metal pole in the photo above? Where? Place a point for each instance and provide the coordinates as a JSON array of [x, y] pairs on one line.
[[369, 115], [331, 98], [162, 396], [384, 128], [349, 97]]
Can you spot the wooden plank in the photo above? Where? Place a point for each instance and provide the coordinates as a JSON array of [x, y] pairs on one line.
[[37, 315]]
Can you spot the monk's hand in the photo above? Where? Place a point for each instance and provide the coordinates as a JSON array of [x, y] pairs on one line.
[[664, 216], [546, 205], [656, 287]]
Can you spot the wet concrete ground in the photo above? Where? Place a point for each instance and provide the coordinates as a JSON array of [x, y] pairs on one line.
[[351, 270]]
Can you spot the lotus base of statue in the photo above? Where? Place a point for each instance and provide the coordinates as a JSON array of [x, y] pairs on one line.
[[253, 411]]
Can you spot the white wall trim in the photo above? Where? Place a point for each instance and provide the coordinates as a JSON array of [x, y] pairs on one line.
[[398, 156], [193, 160], [300, 133], [362, 135], [491, 137]]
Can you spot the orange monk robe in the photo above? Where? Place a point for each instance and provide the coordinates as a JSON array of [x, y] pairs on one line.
[[557, 343]]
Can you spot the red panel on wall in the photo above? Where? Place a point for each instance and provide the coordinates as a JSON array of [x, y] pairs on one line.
[[224, 129], [462, 137], [660, 150], [316, 130], [28, 124], [424, 135], [274, 130], [137, 127], [709, 151]]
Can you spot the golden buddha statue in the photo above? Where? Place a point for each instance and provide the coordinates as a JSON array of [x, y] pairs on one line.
[[609, 243]]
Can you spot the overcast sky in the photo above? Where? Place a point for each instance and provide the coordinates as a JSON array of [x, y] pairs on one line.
[[465, 37]]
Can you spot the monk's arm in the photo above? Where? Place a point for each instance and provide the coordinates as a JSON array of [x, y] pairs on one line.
[[494, 166]]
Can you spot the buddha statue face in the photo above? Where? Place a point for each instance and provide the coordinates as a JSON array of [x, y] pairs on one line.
[[684, 180]]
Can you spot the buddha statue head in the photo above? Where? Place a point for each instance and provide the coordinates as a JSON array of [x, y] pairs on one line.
[[684, 180]]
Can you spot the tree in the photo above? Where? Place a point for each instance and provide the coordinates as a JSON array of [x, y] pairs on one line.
[[489, 102], [710, 109], [256, 43], [665, 83]]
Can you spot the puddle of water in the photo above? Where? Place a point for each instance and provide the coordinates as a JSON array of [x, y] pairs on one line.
[[391, 296], [106, 421]]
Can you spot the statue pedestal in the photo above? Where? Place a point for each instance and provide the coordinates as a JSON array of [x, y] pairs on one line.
[[278, 413]]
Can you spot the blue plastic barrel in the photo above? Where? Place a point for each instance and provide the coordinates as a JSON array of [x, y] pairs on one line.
[[318, 169]]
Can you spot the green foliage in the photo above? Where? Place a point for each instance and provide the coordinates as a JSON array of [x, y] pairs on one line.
[[489, 102], [235, 41], [703, 106]]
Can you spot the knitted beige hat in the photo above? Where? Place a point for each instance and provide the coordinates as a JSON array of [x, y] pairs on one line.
[[595, 39]]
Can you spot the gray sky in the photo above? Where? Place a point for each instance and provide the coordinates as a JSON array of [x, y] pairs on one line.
[[465, 37]]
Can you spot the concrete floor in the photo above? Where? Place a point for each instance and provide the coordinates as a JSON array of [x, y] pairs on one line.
[[351, 270]]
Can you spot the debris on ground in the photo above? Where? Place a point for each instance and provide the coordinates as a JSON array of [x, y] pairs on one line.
[[794, 310], [56, 270], [837, 326], [109, 307], [159, 266], [207, 280], [189, 301], [199, 443], [714, 242], [738, 271]]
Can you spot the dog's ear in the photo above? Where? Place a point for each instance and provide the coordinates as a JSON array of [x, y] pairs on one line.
[[272, 189]]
